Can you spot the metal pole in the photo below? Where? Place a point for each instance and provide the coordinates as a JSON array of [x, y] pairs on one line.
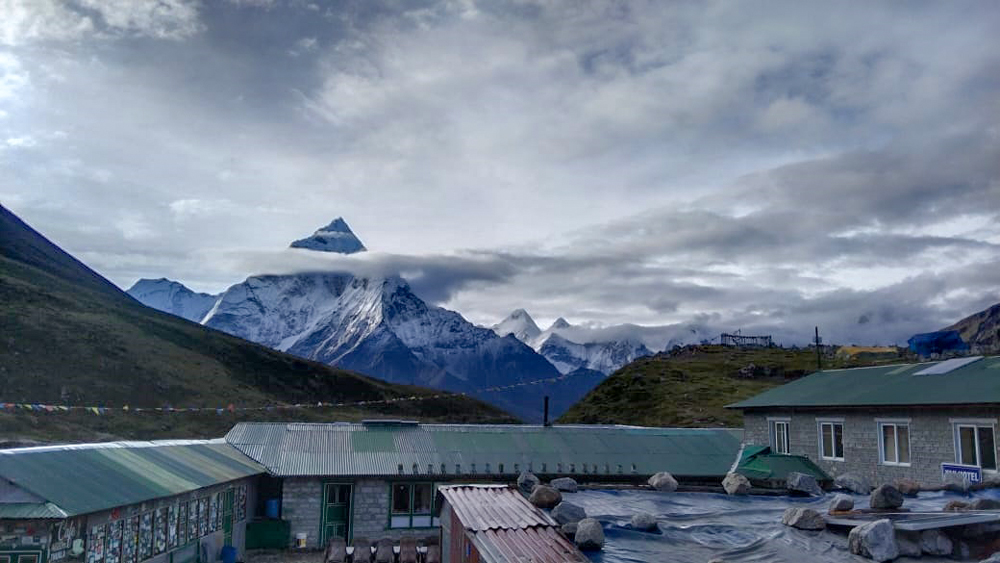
[[819, 356]]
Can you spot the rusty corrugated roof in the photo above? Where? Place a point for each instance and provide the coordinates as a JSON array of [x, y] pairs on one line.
[[534, 545], [493, 507]]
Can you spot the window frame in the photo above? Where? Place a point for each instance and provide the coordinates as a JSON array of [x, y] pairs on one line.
[[412, 513], [975, 423], [880, 423], [772, 427], [833, 423]]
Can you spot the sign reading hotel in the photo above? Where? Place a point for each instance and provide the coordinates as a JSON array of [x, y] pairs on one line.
[[970, 473]]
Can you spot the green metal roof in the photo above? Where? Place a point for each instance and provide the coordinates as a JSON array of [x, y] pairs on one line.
[[79, 479], [974, 383], [346, 449], [30, 511]]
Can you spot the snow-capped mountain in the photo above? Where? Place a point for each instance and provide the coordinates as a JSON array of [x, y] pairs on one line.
[[335, 237], [378, 326], [520, 324], [172, 297], [605, 357]]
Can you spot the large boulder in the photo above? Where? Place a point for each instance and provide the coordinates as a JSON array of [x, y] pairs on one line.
[[544, 496], [566, 512], [564, 484], [935, 542], [663, 481], [803, 484], [955, 506], [841, 503], [908, 487], [886, 497], [875, 540], [589, 534], [526, 482], [736, 484], [569, 530], [853, 482], [985, 504], [803, 519], [644, 521]]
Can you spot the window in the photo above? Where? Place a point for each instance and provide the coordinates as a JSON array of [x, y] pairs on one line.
[[831, 440], [975, 444], [779, 435], [894, 443], [412, 506]]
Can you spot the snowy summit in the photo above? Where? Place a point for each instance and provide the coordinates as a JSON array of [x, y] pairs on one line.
[[335, 237]]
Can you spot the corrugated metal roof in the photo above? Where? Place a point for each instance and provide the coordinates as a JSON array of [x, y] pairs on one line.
[[497, 507], [301, 449], [974, 383], [84, 478], [529, 545], [30, 511]]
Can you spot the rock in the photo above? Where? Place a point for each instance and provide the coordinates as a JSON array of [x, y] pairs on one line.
[[908, 487], [802, 483], [853, 482], [985, 504], [589, 534], [564, 484], [886, 497], [909, 544], [803, 519], [663, 481], [736, 484], [875, 540], [526, 482], [569, 530], [644, 521], [995, 558], [544, 496], [956, 483], [841, 503], [566, 512], [955, 506], [935, 542]]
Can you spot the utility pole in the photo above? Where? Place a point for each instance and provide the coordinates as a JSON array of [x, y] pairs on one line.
[[819, 355]]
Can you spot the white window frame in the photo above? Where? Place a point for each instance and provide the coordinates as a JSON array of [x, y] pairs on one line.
[[896, 422], [976, 423], [820, 422], [772, 426]]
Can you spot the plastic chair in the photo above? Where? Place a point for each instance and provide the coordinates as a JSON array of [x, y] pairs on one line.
[[362, 551], [336, 551], [383, 551], [407, 549], [433, 554]]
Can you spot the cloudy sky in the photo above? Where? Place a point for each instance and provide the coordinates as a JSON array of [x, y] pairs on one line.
[[764, 166]]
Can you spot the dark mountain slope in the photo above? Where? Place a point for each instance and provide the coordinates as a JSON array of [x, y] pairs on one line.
[[68, 336], [981, 331]]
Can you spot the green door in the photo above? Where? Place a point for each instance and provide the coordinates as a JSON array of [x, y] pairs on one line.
[[336, 512], [228, 499]]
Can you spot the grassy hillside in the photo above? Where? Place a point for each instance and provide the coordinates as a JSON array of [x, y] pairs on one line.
[[691, 386], [68, 336]]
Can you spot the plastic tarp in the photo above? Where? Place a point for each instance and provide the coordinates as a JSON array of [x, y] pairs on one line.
[[939, 342], [763, 467], [698, 527]]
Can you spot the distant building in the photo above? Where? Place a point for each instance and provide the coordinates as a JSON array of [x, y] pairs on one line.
[[919, 421], [378, 479], [495, 524], [124, 502]]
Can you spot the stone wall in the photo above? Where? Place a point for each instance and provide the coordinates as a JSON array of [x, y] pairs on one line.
[[931, 439], [301, 500]]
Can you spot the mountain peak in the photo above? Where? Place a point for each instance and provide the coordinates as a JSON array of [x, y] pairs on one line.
[[520, 324], [560, 323], [335, 237]]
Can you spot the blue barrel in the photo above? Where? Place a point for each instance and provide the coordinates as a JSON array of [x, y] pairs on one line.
[[228, 554], [271, 509]]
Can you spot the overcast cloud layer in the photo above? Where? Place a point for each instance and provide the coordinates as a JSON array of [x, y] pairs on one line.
[[764, 166]]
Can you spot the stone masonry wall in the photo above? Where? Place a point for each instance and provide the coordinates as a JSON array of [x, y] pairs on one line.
[[371, 513], [931, 439], [301, 498]]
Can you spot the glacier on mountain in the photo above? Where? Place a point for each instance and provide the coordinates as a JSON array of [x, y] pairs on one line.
[[172, 297]]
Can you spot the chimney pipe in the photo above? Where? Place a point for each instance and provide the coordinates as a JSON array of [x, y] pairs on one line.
[[545, 418]]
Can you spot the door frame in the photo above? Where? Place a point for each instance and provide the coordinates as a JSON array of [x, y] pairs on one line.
[[348, 535]]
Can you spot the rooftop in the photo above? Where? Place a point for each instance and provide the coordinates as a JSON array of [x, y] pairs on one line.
[[83, 478], [386, 449], [962, 381]]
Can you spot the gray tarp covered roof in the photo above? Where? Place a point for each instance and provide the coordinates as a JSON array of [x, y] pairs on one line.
[[410, 449]]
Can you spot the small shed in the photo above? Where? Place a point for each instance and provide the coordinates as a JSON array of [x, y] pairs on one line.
[[495, 524]]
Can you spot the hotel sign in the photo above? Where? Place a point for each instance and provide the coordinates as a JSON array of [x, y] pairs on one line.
[[970, 473]]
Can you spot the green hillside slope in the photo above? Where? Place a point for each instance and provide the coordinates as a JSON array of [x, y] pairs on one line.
[[691, 387], [68, 336]]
